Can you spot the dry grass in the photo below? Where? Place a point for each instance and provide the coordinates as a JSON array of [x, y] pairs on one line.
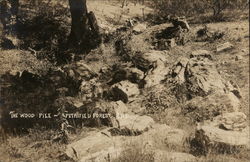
[[18, 61], [135, 153], [34, 146]]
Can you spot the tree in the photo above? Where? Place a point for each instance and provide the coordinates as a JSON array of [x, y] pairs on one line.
[[84, 28], [218, 6], [78, 10], [8, 14]]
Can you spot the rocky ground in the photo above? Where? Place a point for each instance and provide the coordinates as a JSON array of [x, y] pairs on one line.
[[152, 96]]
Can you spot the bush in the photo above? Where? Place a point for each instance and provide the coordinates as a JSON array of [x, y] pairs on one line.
[[44, 29], [195, 7]]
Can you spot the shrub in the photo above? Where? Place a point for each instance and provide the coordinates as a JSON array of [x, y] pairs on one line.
[[44, 29], [195, 7]]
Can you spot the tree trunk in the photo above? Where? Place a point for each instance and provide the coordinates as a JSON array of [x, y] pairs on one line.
[[85, 33], [79, 21]]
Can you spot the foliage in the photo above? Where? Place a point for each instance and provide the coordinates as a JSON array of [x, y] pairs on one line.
[[44, 30], [194, 7]]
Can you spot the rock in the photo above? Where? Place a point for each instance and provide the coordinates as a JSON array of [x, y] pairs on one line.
[[238, 58], [135, 75], [165, 44], [224, 47], [124, 91], [80, 71], [236, 121], [227, 133], [124, 119], [153, 64], [199, 54], [100, 146], [199, 75], [178, 70], [171, 43], [203, 75], [106, 113], [90, 90], [135, 122], [160, 156], [120, 108], [118, 116], [104, 69], [139, 28], [155, 77], [233, 101], [96, 145], [147, 61]]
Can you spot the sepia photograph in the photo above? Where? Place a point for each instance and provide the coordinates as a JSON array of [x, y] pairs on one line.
[[124, 81]]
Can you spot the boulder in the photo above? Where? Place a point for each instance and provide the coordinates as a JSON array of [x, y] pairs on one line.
[[139, 28], [203, 76], [80, 71], [100, 146], [105, 113], [178, 70], [153, 64], [224, 47], [135, 75], [227, 133], [124, 119], [161, 155], [199, 76], [155, 77], [96, 146], [235, 121], [165, 44], [120, 108], [199, 54], [90, 90], [135, 122], [149, 60], [171, 43], [124, 91], [117, 115]]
